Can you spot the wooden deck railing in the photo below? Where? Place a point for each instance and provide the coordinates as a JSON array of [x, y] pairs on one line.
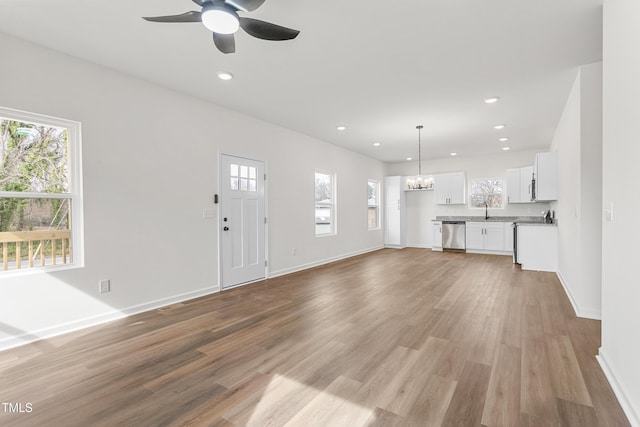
[[47, 247]]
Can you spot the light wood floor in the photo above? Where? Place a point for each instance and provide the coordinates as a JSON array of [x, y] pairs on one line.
[[392, 338]]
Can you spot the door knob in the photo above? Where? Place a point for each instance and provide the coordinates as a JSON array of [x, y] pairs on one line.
[[226, 229]]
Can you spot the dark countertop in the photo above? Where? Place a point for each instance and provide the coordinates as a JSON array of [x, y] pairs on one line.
[[529, 220]]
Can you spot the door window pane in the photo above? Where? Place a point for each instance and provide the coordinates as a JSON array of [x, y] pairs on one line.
[[243, 178]]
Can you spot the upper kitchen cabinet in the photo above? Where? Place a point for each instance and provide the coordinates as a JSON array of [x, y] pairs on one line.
[[450, 188], [546, 174], [519, 185]]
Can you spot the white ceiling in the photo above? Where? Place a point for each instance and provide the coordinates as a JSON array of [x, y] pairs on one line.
[[378, 67]]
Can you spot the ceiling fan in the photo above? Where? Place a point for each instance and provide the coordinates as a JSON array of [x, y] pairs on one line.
[[221, 18]]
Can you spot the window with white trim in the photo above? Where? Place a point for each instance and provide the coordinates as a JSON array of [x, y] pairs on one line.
[[40, 192], [487, 191], [373, 200], [325, 197]]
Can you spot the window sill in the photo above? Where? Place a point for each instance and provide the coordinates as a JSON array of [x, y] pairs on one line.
[[38, 270]]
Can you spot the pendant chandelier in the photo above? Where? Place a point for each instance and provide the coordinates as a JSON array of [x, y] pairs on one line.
[[419, 182]]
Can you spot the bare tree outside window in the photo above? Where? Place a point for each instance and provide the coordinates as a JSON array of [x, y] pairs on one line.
[[487, 191]]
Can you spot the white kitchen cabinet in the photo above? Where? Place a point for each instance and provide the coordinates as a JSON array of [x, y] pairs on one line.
[[437, 235], [450, 188], [485, 236], [513, 186], [494, 236], [475, 235], [519, 185], [394, 212], [546, 172], [538, 247]]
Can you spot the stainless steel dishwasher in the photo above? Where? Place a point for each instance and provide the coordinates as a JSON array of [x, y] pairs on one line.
[[453, 235]]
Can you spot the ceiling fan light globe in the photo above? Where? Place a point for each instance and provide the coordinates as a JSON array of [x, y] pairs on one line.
[[220, 20]]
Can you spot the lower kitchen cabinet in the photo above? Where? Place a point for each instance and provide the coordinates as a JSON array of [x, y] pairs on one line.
[[486, 237], [437, 235], [538, 247]]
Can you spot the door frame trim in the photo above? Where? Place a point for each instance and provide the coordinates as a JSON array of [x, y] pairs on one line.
[[219, 222]]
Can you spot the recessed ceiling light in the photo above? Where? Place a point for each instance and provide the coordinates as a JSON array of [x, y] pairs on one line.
[[376, 144], [491, 100], [409, 158], [506, 148], [503, 139], [341, 127], [453, 154], [498, 127], [223, 75]]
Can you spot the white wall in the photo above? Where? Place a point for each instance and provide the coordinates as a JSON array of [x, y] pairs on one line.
[[421, 207], [578, 141], [150, 167], [620, 351]]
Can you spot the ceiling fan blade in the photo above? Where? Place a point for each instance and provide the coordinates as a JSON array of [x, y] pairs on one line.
[[266, 30], [192, 16], [225, 43], [246, 5]]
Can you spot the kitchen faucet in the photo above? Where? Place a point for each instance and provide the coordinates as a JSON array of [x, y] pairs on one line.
[[486, 211]]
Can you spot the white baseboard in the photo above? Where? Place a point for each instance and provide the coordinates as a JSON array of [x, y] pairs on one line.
[[487, 252], [30, 337], [306, 266], [418, 245], [579, 311], [629, 406]]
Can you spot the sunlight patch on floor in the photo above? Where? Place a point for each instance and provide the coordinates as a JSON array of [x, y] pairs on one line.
[[302, 405]]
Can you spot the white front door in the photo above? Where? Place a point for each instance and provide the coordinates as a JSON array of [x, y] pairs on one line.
[[242, 221]]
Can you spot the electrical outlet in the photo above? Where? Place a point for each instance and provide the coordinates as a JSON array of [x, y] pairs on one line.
[[105, 286]]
